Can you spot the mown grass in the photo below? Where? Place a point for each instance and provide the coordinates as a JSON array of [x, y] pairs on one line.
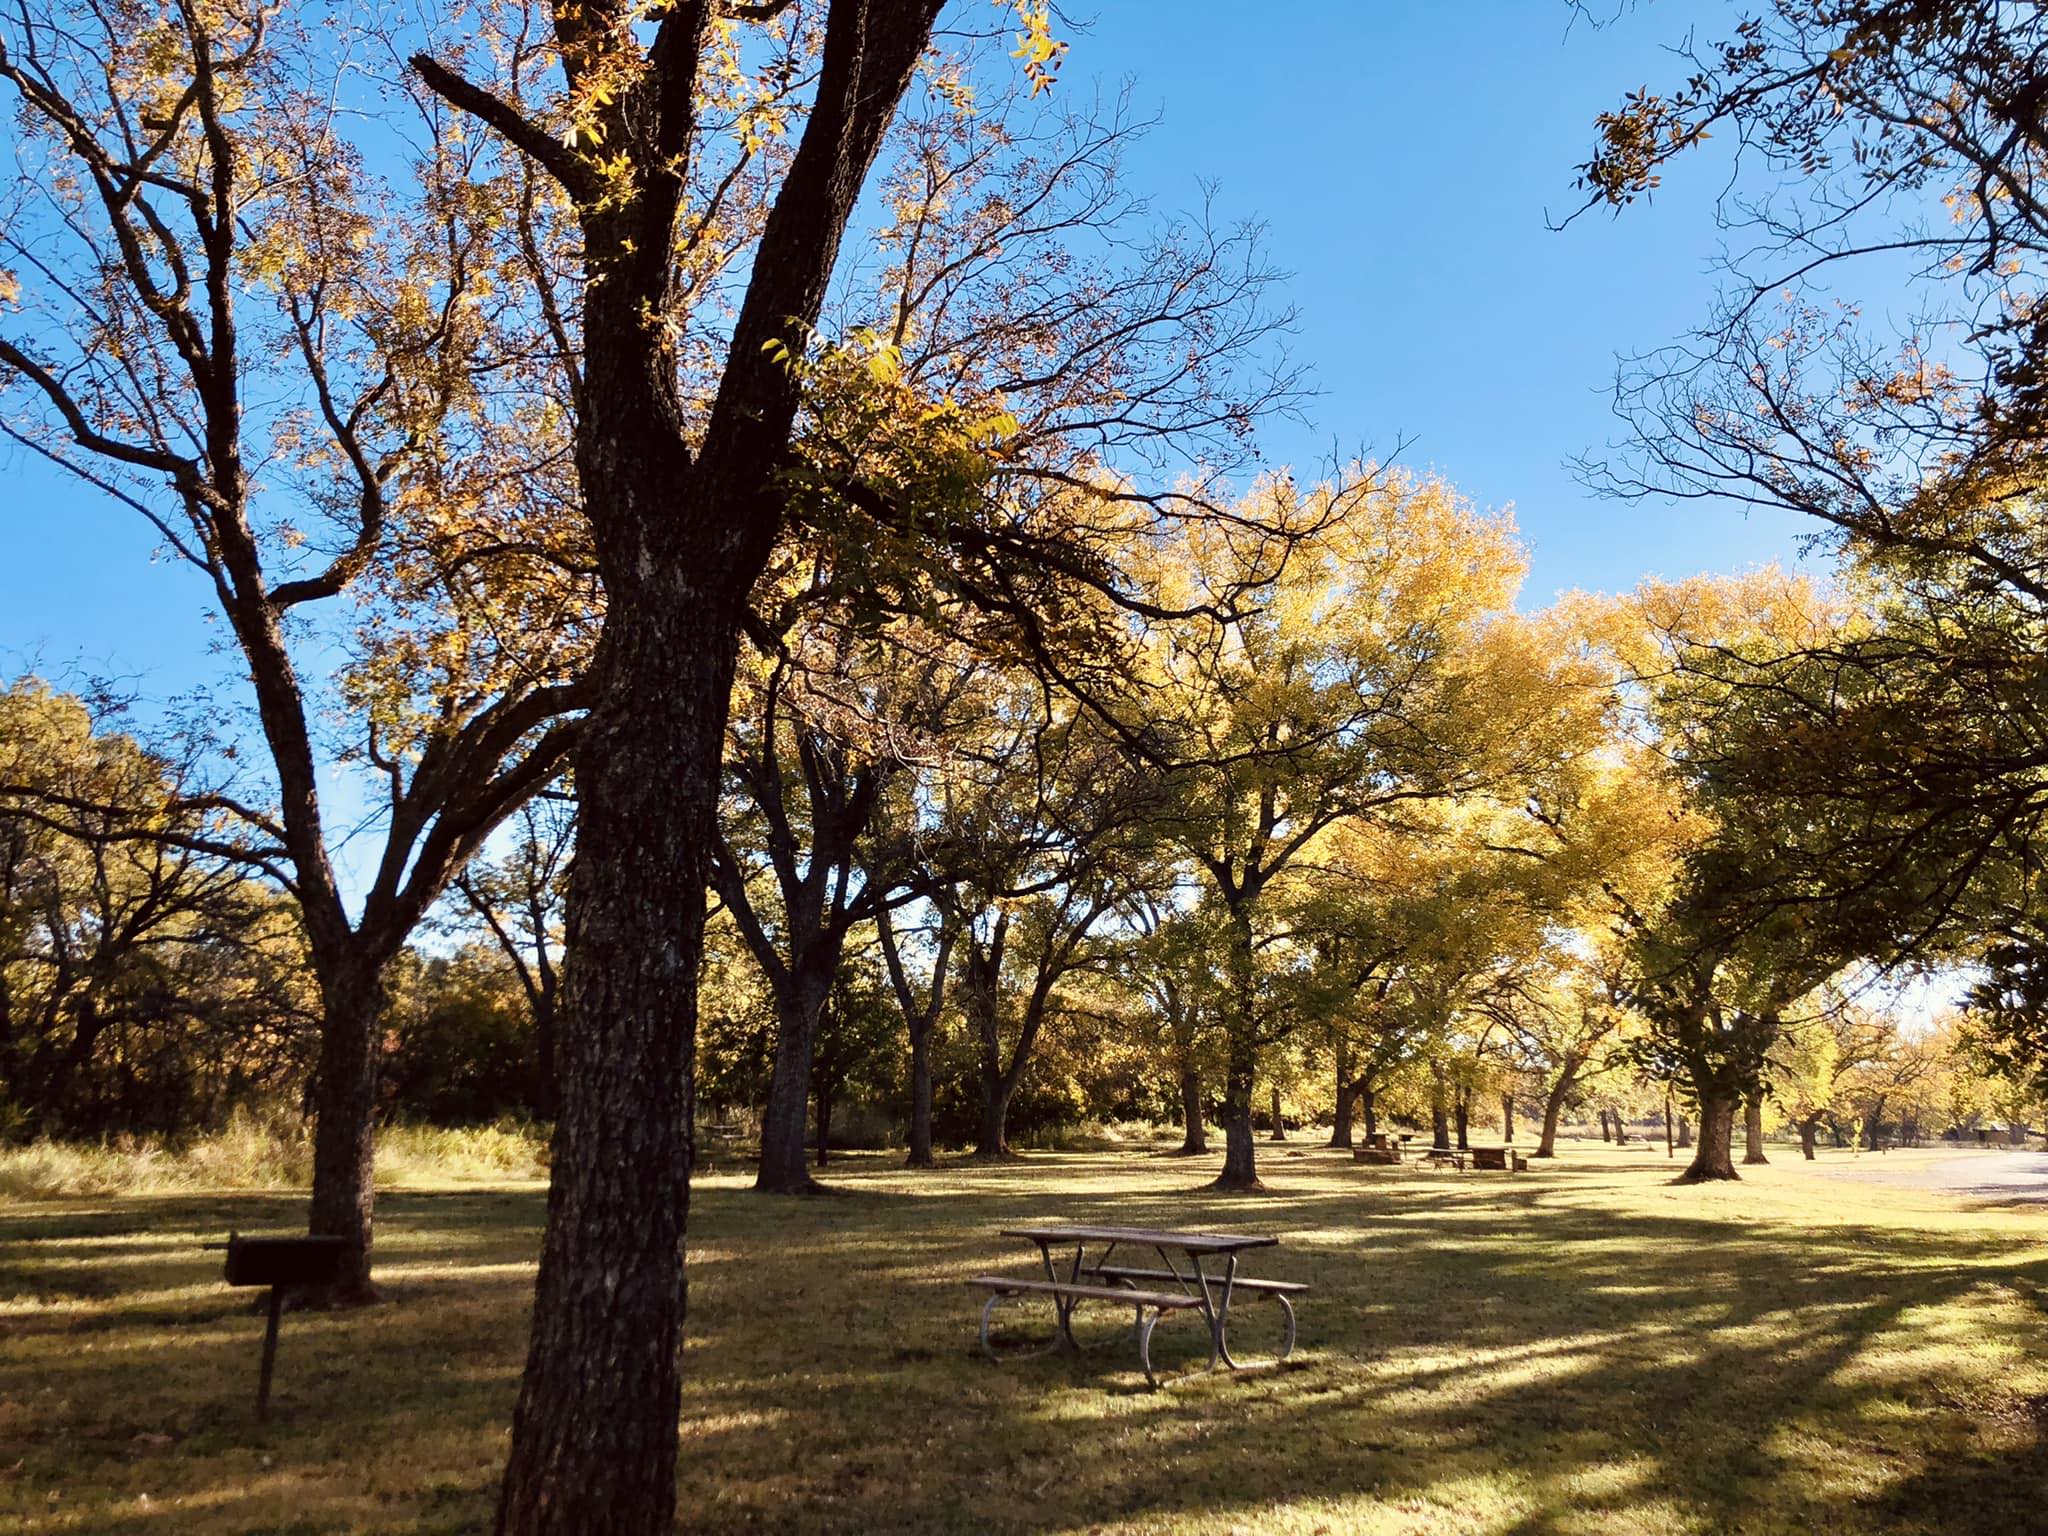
[[1585, 1349]]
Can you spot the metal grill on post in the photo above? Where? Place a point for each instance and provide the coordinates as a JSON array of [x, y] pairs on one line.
[[279, 1262]]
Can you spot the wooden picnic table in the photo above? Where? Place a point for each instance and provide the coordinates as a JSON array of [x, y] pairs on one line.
[[1181, 1256]]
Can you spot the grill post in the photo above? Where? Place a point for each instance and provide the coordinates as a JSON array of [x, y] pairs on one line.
[[281, 1263], [269, 1355]]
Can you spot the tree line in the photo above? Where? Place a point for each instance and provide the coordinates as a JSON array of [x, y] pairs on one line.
[[497, 381]]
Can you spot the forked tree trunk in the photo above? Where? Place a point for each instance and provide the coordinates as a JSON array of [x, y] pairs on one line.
[[784, 1168], [680, 541], [1279, 1125], [595, 1432], [1714, 1155], [921, 1010], [344, 1134], [1753, 1130], [1194, 1140]]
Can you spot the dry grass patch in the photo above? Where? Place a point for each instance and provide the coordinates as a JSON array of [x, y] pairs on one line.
[[1585, 1349]]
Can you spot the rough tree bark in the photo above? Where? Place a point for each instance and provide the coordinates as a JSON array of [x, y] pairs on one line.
[[595, 1430], [1340, 1126], [1194, 1138], [1553, 1110], [784, 1169], [680, 538], [344, 1134], [1714, 1155], [1240, 1150], [1753, 1130]]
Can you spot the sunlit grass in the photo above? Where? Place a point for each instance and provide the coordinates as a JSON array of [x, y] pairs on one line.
[[266, 1153], [1585, 1349]]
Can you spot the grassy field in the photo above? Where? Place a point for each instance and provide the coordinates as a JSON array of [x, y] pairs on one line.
[[1582, 1349]]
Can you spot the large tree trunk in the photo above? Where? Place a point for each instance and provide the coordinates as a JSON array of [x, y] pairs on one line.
[[594, 1436], [344, 1136], [1240, 1157], [1714, 1156], [1809, 1131], [1553, 1110], [547, 1097], [1194, 1140], [784, 1168], [1462, 1112], [1240, 1154], [992, 1141], [1753, 1130], [1340, 1128], [1279, 1124], [1604, 1134], [920, 1100], [680, 543], [1507, 1117], [1684, 1132], [1368, 1102], [1439, 1112], [1872, 1124]]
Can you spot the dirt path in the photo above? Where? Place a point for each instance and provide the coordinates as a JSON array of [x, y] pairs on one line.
[[2006, 1177]]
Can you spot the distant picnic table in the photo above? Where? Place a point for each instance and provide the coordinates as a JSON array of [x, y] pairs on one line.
[[1201, 1268]]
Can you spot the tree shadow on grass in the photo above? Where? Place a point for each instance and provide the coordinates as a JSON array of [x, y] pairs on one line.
[[1524, 1357]]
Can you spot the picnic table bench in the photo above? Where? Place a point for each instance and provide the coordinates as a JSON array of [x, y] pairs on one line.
[[1196, 1288]]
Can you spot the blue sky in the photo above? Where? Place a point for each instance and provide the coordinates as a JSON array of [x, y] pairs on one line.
[[1403, 158]]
